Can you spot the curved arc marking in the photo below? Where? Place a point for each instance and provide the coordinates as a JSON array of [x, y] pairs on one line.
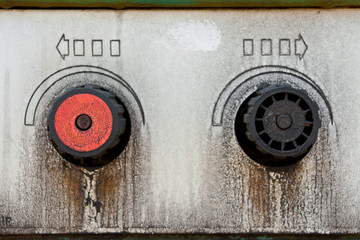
[[247, 75], [42, 88]]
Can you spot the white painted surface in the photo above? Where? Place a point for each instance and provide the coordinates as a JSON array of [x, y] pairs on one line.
[[195, 36], [179, 173]]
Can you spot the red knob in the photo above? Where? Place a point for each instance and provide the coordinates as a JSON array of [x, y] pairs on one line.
[[86, 122]]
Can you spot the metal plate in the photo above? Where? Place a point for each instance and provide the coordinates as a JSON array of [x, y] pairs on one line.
[[183, 75], [120, 4]]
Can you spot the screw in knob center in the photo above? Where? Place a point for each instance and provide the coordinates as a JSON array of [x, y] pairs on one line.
[[83, 122], [283, 121]]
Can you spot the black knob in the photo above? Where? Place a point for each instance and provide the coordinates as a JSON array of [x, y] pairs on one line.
[[86, 123], [282, 121]]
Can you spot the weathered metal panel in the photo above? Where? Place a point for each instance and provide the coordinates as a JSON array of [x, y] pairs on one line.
[[183, 236], [182, 75], [120, 4]]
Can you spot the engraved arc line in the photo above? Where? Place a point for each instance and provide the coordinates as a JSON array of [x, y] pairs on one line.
[[232, 86], [30, 111], [132, 93]]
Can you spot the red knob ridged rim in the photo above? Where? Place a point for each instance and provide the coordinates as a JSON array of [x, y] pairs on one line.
[[65, 122]]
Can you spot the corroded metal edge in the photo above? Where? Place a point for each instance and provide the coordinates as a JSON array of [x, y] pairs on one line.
[[183, 237], [121, 4]]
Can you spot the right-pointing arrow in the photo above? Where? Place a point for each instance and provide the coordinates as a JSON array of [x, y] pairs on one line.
[[63, 47], [300, 47]]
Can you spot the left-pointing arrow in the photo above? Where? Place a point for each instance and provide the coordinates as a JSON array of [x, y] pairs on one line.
[[63, 47]]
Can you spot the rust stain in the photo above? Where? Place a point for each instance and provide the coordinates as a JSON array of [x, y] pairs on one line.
[[64, 183], [260, 198], [259, 195], [110, 192]]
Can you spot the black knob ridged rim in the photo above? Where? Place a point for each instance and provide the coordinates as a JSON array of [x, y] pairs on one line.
[[282, 121], [118, 127]]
